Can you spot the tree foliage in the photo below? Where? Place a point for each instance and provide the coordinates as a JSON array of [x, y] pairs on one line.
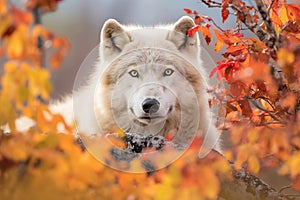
[[261, 104], [260, 108]]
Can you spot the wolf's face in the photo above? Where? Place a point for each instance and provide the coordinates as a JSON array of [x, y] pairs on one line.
[[150, 81], [150, 99]]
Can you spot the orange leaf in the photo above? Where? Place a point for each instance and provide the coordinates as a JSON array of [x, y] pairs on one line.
[[3, 7], [293, 11], [206, 34], [238, 88], [22, 17], [296, 183], [220, 42], [275, 18], [16, 43], [290, 101], [188, 11]]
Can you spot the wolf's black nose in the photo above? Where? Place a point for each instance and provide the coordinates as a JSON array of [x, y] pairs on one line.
[[150, 105]]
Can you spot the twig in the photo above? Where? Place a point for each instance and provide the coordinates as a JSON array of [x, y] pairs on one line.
[[265, 14], [212, 4], [270, 7], [284, 188], [265, 110], [37, 20]]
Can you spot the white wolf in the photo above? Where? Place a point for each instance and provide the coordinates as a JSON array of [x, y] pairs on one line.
[[145, 82]]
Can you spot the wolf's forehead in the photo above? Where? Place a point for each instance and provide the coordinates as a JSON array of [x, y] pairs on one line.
[[150, 56]]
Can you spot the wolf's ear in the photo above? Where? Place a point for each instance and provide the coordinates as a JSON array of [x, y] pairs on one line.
[[113, 38], [179, 35]]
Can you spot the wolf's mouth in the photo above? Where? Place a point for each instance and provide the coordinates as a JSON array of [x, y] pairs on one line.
[[149, 117], [146, 119]]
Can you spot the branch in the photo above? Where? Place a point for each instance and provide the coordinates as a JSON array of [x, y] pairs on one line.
[[266, 111], [37, 20], [244, 185], [269, 38], [265, 14], [212, 4]]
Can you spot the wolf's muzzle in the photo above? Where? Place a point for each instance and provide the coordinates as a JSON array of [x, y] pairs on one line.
[[150, 105]]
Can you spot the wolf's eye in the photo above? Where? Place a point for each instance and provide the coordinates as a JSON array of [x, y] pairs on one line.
[[168, 72], [133, 73]]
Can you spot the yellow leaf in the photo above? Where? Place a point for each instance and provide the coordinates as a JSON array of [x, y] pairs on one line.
[[283, 15], [253, 164], [252, 136], [242, 156], [209, 183], [16, 149], [294, 164], [10, 67], [285, 57], [266, 105], [16, 43], [39, 82], [291, 165]]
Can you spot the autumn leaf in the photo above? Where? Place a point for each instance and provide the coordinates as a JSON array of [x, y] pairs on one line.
[[188, 11], [62, 45], [225, 14], [296, 182], [220, 40], [21, 16], [293, 10], [43, 5], [253, 164], [203, 29], [198, 20], [225, 69]]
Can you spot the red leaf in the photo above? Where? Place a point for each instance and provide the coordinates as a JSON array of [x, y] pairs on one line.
[[188, 11], [245, 106], [198, 20], [203, 29], [238, 34], [8, 31], [195, 12], [238, 89], [225, 14], [229, 66], [193, 30]]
